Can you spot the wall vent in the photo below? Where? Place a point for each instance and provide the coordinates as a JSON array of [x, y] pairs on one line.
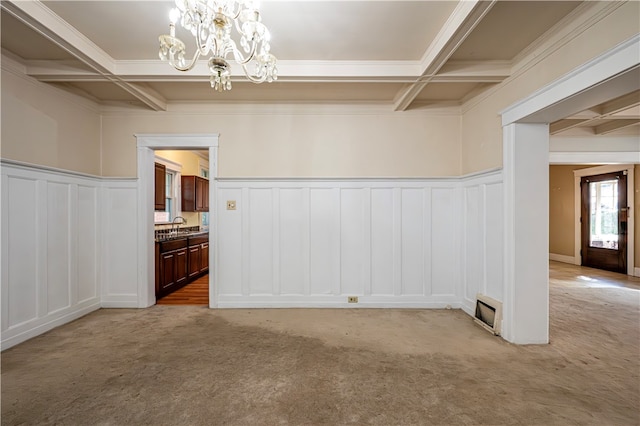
[[488, 314]]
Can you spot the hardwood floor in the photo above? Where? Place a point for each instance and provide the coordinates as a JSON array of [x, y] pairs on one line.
[[195, 293]]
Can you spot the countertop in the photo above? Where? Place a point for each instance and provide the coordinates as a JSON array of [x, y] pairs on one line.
[[179, 235]]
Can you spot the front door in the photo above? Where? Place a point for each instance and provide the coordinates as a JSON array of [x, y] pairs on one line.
[[604, 221]]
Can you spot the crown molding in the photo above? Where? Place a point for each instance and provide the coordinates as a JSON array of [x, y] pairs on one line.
[[292, 108]]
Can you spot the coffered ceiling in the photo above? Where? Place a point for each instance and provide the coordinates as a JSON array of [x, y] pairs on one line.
[[404, 54]]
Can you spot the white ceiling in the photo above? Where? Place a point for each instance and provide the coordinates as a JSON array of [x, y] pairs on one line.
[[404, 54]]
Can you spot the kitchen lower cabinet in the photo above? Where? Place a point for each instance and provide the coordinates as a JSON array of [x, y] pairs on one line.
[[180, 261], [195, 255], [173, 266], [204, 257]]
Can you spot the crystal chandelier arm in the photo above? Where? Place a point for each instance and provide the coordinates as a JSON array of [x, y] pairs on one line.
[[188, 66]]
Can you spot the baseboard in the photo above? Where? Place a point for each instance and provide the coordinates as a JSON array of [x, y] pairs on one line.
[[119, 301], [393, 302], [562, 258], [45, 324], [636, 272]]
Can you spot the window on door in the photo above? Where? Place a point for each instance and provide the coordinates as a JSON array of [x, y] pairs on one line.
[[604, 214]]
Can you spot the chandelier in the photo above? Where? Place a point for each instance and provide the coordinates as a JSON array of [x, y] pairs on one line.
[[211, 23]]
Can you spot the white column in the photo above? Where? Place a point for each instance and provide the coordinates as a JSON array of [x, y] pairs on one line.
[[526, 245]]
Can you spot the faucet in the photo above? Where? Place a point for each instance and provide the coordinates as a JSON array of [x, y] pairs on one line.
[[182, 222]]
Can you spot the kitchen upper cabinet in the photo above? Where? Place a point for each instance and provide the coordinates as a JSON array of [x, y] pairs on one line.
[[160, 187], [195, 194]]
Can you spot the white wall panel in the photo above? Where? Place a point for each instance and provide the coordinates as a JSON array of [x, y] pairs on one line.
[[382, 241], [324, 245], [473, 243], [260, 241], [58, 256], [412, 241], [120, 281], [49, 249], [494, 240], [293, 223], [482, 238], [444, 225], [87, 236], [352, 253], [20, 260], [229, 222], [315, 242]]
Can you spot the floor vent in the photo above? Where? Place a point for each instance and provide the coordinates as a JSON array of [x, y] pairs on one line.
[[488, 313]]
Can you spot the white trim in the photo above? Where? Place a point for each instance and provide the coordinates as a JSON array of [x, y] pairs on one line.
[[636, 272], [617, 60], [563, 258], [577, 174], [146, 144], [594, 157], [46, 326], [337, 301]]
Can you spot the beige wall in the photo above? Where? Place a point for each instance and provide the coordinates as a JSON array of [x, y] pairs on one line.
[[481, 125], [561, 210], [300, 142], [42, 125]]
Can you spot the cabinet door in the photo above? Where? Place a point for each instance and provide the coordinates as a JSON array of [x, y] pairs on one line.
[[189, 193], [204, 257], [194, 260], [160, 187], [201, 194], [205, 195], [182, 273], [167, 272]]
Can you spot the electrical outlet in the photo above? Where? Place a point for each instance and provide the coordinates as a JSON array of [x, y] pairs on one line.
[[352, 299], [231, 205]]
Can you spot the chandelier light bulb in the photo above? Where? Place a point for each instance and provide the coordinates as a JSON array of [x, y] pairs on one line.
[[213, 23]]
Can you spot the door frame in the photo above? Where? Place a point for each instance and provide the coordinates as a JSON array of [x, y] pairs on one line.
[[146, 146], [526, 148], [599, 170]]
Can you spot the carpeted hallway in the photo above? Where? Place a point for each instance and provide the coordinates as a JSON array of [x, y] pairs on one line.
[[181, 365]]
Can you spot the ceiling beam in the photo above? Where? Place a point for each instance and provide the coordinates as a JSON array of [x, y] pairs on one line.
[[614, 125], [620, 104], [462, 21], [566, 124]]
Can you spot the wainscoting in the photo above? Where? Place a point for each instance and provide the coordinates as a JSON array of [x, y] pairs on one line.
[[423, 243], [59, 229], [69, 244]]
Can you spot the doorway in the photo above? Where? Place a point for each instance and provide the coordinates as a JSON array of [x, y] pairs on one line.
[[147, 144], [603, 220]]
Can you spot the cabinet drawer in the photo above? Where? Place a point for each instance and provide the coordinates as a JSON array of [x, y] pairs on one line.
[[198, 239], [166, 246]]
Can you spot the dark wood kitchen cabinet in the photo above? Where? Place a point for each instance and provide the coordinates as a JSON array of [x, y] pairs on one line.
[[198, 255], [195, 194], [180, 261], [194, 260], [160, 187], [204, 257], [173, 266]]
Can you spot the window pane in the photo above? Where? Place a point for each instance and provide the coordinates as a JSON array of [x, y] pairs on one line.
[[603, 220]]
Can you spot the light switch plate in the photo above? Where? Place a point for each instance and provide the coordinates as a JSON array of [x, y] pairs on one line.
[[231, 205]]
